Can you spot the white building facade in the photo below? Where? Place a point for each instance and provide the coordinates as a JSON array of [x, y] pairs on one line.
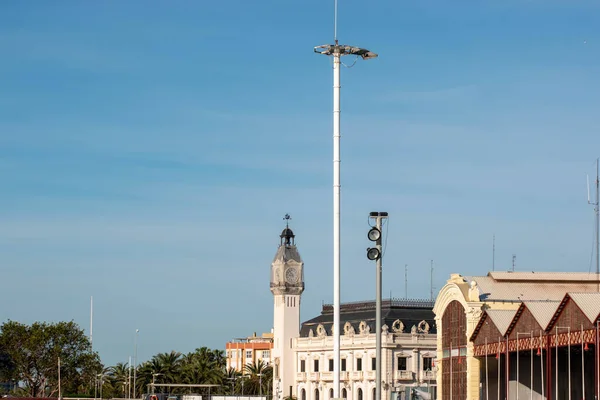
[[302, 355], [408, 352]]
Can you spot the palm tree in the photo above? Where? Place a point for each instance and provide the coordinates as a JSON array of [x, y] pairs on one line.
[[201, 372], [169, 364], [145, 376], [260, 377], [118, 376], [203, 366], [230, 378]]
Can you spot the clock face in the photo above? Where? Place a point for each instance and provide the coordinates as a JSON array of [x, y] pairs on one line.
[[291, 275]]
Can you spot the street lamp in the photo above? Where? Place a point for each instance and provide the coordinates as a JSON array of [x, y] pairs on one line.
[[568, 328], [260, 385], [375, 253], [337, 51], [135, 361], [531, 367], [124, 385], [153, 377], [242, 377], [278, 390], [100, 382], [232, 379]]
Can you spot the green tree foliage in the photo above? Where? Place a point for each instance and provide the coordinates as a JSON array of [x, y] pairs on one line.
[[116, 381], [202, 366], [30, 354], [258, 374]]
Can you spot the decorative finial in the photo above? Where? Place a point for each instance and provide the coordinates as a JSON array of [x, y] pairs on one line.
[[287, 220]]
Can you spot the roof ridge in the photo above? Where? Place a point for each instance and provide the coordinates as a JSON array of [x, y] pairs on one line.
[[591, 309], [501, 318]]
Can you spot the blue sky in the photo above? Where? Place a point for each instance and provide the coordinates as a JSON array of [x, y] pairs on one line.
[[149, 151]]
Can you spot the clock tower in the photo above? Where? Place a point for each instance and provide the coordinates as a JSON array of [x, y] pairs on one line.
[[287, 285]]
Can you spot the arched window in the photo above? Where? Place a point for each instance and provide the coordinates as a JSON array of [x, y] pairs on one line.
[[344, 393], [373, 394], [303, 394], [454, 347], [330, 394], [359, 394], [316, 394]]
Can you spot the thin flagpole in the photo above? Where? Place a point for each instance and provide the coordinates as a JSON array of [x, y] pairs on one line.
[[582, 365], [542, 363], [531, 366], [92, 322], [499, 341], [487, 385], [556, 361], [597, 359]]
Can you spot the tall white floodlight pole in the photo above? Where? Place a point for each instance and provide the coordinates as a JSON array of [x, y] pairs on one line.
[[135, 361], [129, 380], [91, 321], [337, 51]]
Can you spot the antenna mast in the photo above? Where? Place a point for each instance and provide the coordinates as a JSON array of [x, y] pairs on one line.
[[431, 281], [494, 252], [406, 281], [514, 262], [597, 223], [596, 205], [335, 21]]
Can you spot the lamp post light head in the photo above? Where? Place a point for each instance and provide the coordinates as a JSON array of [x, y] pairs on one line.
[[374, 234], [373, 253], [375, 214], [344, 50]]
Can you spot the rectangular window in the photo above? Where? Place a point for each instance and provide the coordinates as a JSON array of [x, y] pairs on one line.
[[401, 363], [248, 353], [302, 365], [427, 363], [316, 365], [266, 354], [331, 365], [359, 364], [373, 364], [343, 360]]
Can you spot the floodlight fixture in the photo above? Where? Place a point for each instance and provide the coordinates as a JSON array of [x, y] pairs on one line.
[[375, 214], [374, 234], [344, 50], [373, 253]]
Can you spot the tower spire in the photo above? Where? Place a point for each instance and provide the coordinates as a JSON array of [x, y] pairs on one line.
[[287, 235]]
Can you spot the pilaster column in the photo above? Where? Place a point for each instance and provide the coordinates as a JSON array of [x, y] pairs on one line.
[[440, 355], [473, 364]]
